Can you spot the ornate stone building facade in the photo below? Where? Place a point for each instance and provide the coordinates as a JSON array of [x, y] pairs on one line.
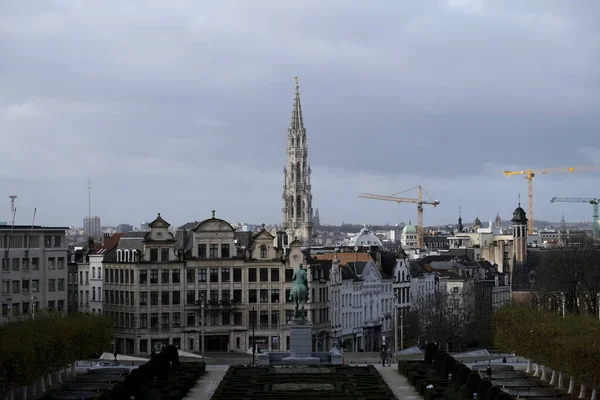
[[157, 288], [297, 198]]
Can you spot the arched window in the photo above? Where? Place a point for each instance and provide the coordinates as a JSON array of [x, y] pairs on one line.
[[126, 255], [293, 144], [263, 251], [298, 176], [119, 255], [298, 207]]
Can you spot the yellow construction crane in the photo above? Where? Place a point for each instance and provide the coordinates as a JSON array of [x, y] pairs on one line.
[[419, 202], [530, 173]]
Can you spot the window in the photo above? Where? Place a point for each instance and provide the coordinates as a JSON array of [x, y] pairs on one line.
[[51, 263], [237, 274], [191, 319], [289, 315], [143, 320], [225, 250], [35, 264], [252, 296], [143, 298], [189, 275], [25, 264], [35, 285], [263, 251], [164, 255], [154, 320], [202, 250], [164, 276], [16, 264], [16, 287], [201, 274], [51, 285], [237, 318], [166, 317], [455, 289], [274, 274], [143, 277], [237, 295], [61, 284], [264, 295], [287, 296], [226, 318], [225, 274], [264, 274], [57, 241], [289, 273], [47, 241], [176, 296], [176, 319], [214, 275], [153, 298], [25, 285], [153, 276], [225, 296], [214, 317], [274, 295], [153, 254], [214, 296], [264, 317], [164, 298], [176, 276], [190, 297], [275, 317], [60, 261], [252, 275], [214, 251], [5, 287], [5, 266], [252, 317]]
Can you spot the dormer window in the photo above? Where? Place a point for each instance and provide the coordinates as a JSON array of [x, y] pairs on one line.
[[263, 251], [153, 254]]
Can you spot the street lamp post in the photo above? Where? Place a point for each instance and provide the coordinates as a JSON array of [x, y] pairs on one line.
[[563, 298], [202, 326], [395, 326], [253, 336]]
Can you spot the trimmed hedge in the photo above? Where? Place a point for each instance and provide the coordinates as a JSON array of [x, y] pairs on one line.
[[569, 345], [463, 385], [162, 377], [33, 348]]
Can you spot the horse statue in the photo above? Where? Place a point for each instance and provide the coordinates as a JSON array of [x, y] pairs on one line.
[[299, 291]]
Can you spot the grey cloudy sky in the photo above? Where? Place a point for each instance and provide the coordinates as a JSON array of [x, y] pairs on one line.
[[180, 107]]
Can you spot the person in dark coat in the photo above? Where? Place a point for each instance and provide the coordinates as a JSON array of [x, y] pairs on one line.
[[383, 356], [488, 371]]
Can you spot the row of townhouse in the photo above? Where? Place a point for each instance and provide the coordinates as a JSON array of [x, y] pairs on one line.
[[208, 281]]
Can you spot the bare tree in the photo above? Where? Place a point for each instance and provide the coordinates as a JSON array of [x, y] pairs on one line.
[[456, 320], [573, 268]]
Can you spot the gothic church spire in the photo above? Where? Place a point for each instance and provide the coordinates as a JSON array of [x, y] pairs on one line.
[[297, 209]]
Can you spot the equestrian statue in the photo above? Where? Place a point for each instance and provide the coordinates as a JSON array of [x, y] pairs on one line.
[[299, 291]]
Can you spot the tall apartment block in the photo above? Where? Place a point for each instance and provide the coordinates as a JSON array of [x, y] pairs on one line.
[[34, 270], [91, 227]]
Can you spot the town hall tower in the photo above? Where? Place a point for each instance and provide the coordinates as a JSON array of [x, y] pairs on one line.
[[297, 198]]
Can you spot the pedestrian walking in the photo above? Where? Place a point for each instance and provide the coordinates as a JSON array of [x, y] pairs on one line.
[[488, 371], [383, 356], [389, 356]]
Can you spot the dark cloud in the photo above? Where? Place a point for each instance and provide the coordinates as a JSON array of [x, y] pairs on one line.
[[394, 94]]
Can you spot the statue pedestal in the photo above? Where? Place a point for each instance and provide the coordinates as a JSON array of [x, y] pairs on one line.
[[301, 343]]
